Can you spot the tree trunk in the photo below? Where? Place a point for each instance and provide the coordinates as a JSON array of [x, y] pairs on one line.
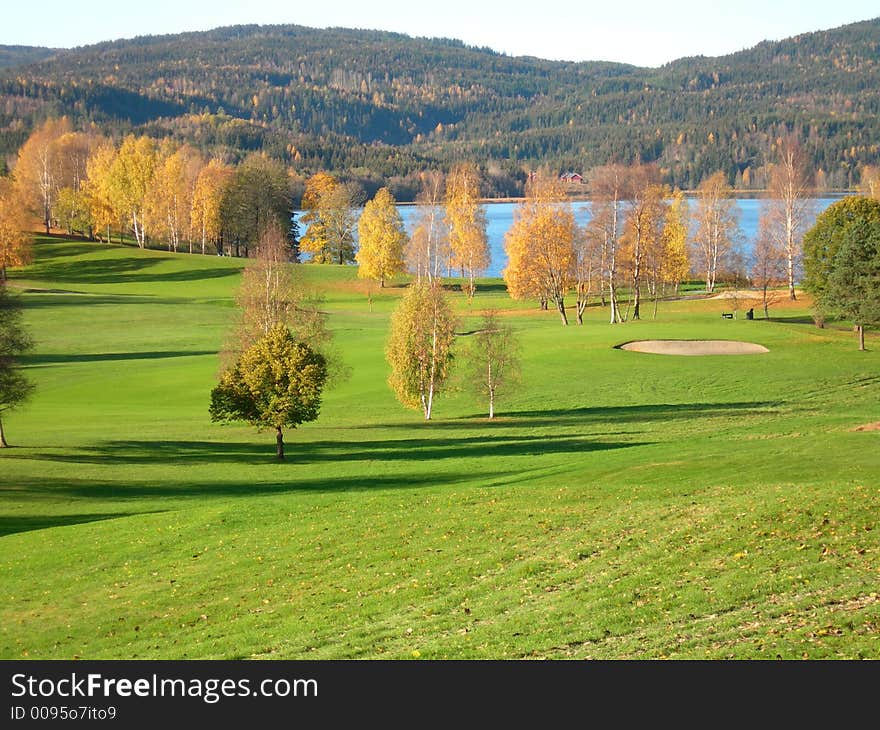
[[279, 443], [560, 305], [3, 443], [860, 328]]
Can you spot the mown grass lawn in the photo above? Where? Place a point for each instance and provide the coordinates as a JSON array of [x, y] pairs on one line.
[[623, 505]]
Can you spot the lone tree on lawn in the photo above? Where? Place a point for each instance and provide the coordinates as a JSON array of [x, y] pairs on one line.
[[276, 383], [419, 348], [491, 359], [14, 341], [842, 262]]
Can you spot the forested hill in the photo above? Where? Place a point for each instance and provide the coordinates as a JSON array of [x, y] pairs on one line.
[[376, 105]]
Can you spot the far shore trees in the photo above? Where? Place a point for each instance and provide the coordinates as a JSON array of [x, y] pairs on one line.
[[612, 190], [427, 254], [419, 347], [14, 342], [382, 239], [541, 245], [717, 226], [330, 215], [276, 383], [468, 242], [15, 241], [788, 207], [842, 262], [491, 359]]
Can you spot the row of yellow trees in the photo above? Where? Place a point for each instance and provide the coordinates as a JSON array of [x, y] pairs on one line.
[[84, 183], [637, 237]]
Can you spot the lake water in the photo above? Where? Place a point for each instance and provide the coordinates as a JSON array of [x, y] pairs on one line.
[[499, 217]]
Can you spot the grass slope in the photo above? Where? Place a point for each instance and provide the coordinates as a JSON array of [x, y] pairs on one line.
[[623, 505]]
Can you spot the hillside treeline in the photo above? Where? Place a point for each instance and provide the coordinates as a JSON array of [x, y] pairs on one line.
[[378, 108]]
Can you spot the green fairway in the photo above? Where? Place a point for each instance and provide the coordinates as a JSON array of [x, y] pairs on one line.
[[622, 505]]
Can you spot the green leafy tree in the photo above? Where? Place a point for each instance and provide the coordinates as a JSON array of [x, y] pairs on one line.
[[853, 288], [256, 197], [276, 383], [419, 347], [491, 359], [824, 239], [14, 341]]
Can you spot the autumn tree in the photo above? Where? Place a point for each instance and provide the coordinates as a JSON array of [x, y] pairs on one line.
[[788, 206], [841, 263], [272, 294], [256, 196], [382, 239], [466, 219], [338, 211], [314, 241], [870, 181], [540, 245], [643, 228], [676, 263], [587, 269], [207, 199], [491, 359], [15, 241], [768, 265], [169, 201], [329, 212], [14, 342], [131, 178], [428, 254], [99, 189], [276, 383], [419, 347], [611, 188], [38, 170], [717, 226]]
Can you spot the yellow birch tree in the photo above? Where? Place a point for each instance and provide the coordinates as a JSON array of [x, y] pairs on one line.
[[382, 239], [468, 241]]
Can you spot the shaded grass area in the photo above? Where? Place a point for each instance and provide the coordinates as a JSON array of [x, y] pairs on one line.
[[618, 507]]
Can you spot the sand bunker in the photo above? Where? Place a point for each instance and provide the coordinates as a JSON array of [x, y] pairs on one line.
[[695, 347]]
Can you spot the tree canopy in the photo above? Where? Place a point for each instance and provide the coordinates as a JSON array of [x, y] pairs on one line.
[[14, 342], [276, 383]]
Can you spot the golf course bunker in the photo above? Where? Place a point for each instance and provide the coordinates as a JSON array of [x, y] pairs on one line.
[[694, 347]]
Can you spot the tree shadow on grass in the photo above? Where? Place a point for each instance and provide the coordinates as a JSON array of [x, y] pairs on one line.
[[12, 524], [184, 453], [594, 415], [130, 492], [122, 270], [55, 359]]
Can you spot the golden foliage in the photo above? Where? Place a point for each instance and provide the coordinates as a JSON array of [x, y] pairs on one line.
[[382, 239], [468, 241], [419, 347], [14, 238]]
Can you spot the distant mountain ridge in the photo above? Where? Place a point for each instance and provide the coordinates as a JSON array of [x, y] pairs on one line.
[[376, 105]]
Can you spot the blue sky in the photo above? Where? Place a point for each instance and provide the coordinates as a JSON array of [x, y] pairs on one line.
[[647, 33]]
